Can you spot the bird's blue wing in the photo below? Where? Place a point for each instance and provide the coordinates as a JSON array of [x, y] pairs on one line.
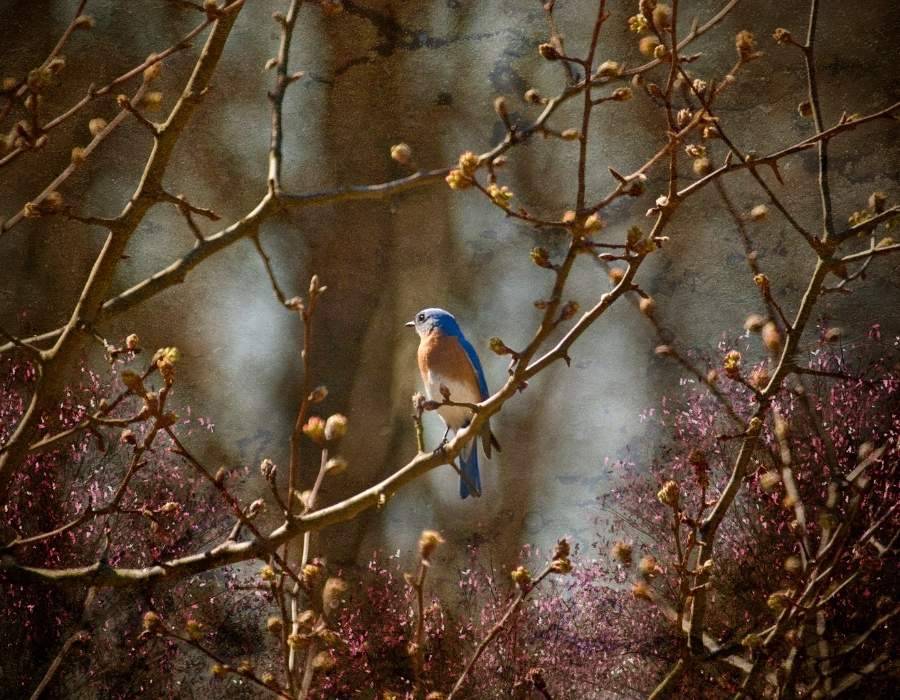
[[476, 365]]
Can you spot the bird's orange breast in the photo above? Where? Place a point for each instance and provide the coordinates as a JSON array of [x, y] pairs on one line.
[[442, 356]]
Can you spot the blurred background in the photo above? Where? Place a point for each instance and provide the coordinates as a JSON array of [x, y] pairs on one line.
[[426, 73]]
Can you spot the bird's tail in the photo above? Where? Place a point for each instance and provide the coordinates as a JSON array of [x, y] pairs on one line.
[[470, 480]]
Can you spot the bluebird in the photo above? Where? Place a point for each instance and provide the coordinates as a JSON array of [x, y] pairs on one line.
[[447, 358]]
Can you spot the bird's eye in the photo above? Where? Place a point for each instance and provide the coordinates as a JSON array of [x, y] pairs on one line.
[[420, 318]]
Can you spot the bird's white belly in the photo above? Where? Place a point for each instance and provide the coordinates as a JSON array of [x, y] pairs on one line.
[[454, 416]]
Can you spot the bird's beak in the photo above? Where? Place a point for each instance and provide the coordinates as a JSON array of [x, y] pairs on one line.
[[410, 324]]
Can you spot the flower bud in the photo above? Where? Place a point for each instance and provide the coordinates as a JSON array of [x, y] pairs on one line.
[[151, 621], [732, 364], [782, 36], [641, 591], [274, 625], [548, 52], [532, 96], [521, 577], [621, 552], [759, 212], [401, 153], [335, 466], [314, 429], [609, 69], [333, 593], [428, 542], [193, 629], [771, 337], [647, 306], [335, 427], [668, 495], [648, 566], [745, 43]]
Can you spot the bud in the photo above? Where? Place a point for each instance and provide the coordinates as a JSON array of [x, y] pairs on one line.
[[541, 257], [792, 564], [314, 429], [637, 24], [683, 117], [296, 641], [521, 577], [428, 542], [335, 466], [663, 350], [333, 593], [220, 476], [151, 621], [133, 381], [621, 552], [616, 274], [498, 347], [152, 71], [751, 641], [267, 573], [268, 469], [500, 194], [218, 670], [335, 427], [759, 212], [771, 337], [641, 591], [323, 661], [759, 377], [660, 52], [401, 153], [782, 36], [570, 135], [732, 364], [468, 163], [568, 310], [648, 567], [132, 342], [647, 306], [754, 323], [500, 107], [778, 601], [592, 224], [647, 45], [193, 629], [245, 667], [877, 200], [274, 625], [548, 52], [769, 480], [83, 22], [532, 96], [745, 43], [702, 166], [833, 335], [609, 69], [311, 571], [805, 109], [622, 94], [561, 565], [457, 180], [668, 494], [562, 549], [78, 155]]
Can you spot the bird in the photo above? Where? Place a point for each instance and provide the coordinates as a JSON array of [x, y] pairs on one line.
[[447, 359]]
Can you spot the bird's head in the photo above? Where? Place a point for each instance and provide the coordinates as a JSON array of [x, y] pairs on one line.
[[430, 320]]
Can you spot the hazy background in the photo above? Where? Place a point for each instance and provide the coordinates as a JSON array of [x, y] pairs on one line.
[[426, 73]]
